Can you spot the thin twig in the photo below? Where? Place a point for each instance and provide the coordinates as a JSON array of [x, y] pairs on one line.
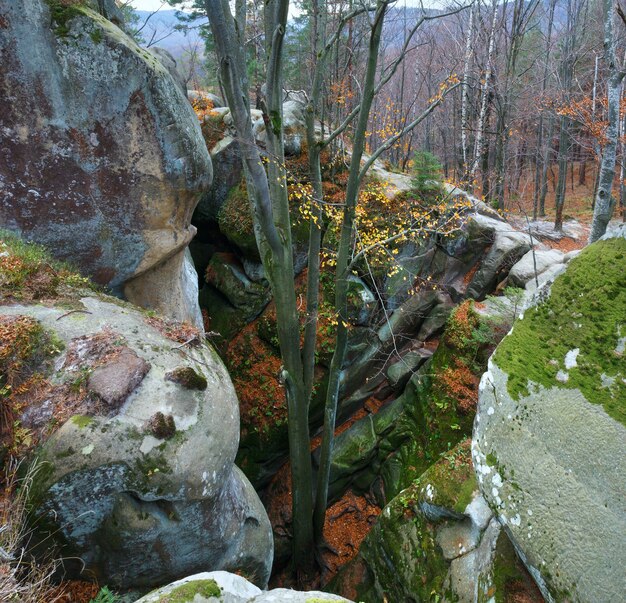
[[74, 312]]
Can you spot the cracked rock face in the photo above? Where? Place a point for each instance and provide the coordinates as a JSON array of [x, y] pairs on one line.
[[141, 505], [102, 159], [549, 438]]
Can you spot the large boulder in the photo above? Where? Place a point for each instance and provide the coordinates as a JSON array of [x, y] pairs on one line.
[[436, 540], [549, 442], [169, 62], [138, 427], [102, 158], [222, 587], [533, 264]]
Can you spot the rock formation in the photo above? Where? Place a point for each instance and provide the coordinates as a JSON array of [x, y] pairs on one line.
[[102, 157], [137, 423], [217, 587], [549, 436]]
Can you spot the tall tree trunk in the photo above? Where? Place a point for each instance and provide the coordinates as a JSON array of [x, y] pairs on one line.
[[465, 99], [545, 164], [268, 197], [605, 202], [342, 272], [484, 100], [564, 141]]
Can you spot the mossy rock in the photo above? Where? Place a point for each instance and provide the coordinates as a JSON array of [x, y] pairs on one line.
[[188, 592], [550, 429], [236, 223], [584, 316], [399, 560], [450, 483]]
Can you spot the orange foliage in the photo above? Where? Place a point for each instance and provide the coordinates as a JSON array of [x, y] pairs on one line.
[[460, 384]]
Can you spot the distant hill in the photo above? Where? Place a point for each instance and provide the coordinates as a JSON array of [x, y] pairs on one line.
[[162, 29]]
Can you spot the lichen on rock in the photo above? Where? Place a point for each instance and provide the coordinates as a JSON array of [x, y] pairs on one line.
[[549, 434]]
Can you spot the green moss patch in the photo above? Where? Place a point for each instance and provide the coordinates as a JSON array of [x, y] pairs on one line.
[[63, 11], [186, 592], [235, 220], [451, 482], [586, 311], [27, 272], [187, 377]]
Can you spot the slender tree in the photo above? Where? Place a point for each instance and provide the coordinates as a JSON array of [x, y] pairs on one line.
[[604, 202]]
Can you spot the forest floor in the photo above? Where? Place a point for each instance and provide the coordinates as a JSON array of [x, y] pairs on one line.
[[578, 201]]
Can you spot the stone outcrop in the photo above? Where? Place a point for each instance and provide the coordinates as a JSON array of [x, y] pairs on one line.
[[437, 537], [222, 587], [137, 426], [549, 437], [102, 158]]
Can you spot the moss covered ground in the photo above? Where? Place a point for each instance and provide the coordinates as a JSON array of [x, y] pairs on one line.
[[186, 593], [586, 311], [28, 273]]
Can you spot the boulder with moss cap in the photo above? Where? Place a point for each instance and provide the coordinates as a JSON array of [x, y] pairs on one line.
[[223, 587], [437, 537], [549, 443]]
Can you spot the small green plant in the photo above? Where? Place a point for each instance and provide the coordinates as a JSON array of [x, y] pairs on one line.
[[427, 174], [105, 596]]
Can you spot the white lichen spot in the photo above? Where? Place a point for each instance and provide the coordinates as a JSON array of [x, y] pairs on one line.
[[496, 480], [529, 511], [516, 520], [562, 376], [430, 492], [621, 342], [607, 380], [88, 449], [490, 410], [570, 358], [495, 492]]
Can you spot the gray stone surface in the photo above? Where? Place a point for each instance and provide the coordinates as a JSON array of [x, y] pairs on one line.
[[228, 172], [169, 62], [170, 289], [361, 301], [139, 509], [400, 372], [550, 461], [555, 477], [235, 589], [102, 159], [468, 572], [508, 246], [534, 263]]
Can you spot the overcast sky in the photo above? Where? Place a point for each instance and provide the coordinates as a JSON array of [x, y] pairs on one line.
[[156, 4]]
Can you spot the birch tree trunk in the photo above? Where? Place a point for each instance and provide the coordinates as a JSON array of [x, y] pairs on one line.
[[480, 130], [465, 97], [603, 209]]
